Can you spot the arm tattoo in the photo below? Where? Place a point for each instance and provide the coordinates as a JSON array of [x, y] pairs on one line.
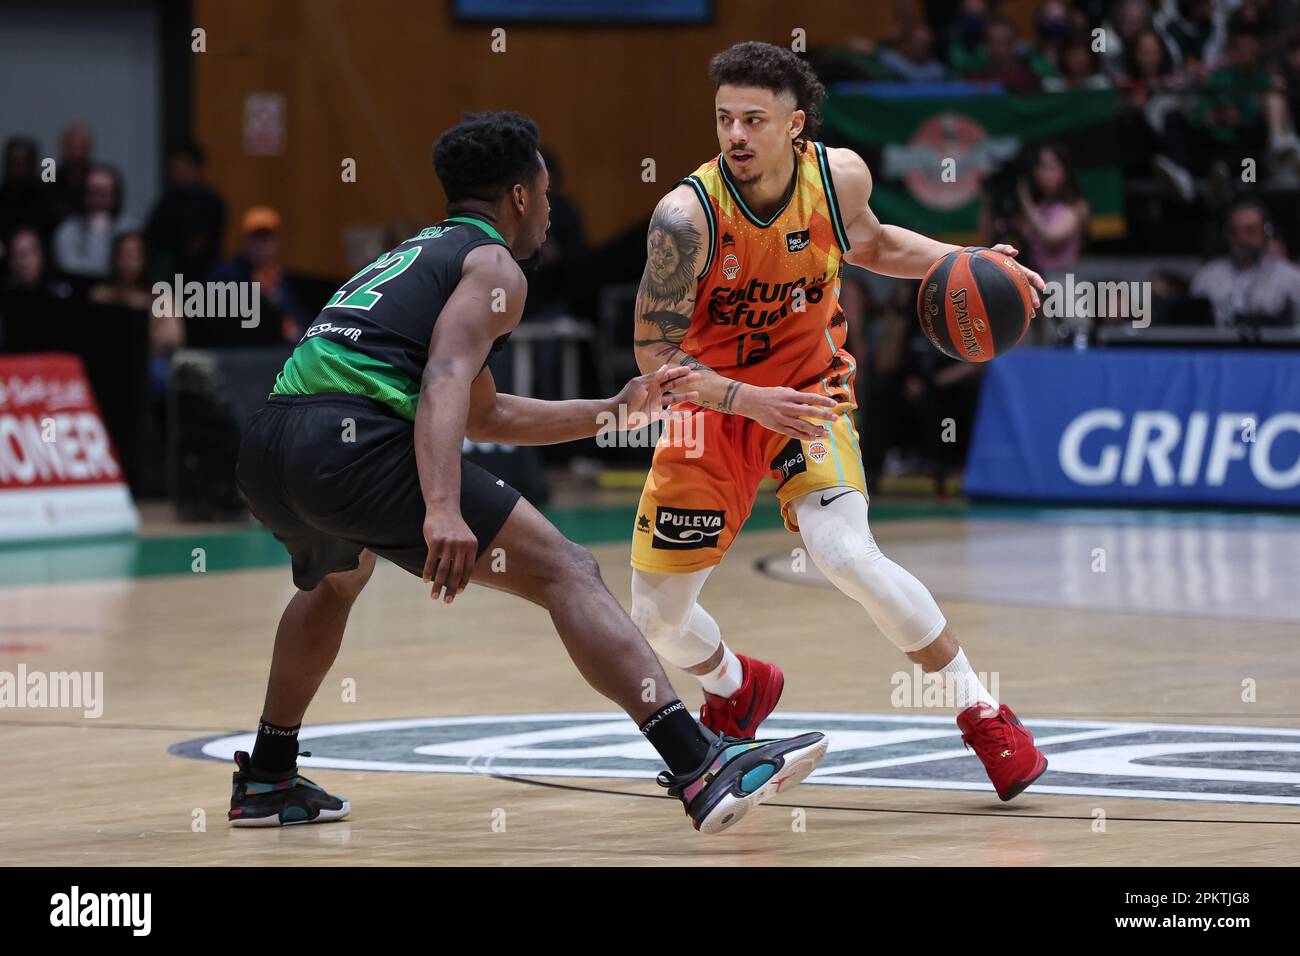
[[670, 331], [671, 327], [667, 293], [672, 245]]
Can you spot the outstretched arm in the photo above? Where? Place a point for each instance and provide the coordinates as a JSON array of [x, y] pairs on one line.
[[515, 420], [889, 250]]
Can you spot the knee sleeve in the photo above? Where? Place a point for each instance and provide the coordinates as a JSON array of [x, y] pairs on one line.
[[841, 544], [665, 608]]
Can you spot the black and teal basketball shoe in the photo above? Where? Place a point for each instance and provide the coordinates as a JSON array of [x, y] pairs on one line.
[[263, 800], [738, 775]]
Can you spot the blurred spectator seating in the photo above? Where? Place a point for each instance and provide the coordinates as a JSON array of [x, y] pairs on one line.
[[186, 224], [83, 242], [283, 312]]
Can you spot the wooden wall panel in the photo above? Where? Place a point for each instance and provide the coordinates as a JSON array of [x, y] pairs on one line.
[[377, 80]]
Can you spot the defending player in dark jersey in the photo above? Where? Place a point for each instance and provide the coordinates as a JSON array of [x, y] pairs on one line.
[[358, 452]]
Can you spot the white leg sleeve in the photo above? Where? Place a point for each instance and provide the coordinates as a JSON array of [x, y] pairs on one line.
[[840, 544], [665, 608]]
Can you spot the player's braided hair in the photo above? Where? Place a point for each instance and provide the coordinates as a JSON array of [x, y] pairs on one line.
[[772, 68], [486, 154]]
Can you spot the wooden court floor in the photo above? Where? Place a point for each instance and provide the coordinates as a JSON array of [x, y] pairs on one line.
[[184, 657]]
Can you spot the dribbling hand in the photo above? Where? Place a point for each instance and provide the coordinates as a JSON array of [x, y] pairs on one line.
[[1036, 283]]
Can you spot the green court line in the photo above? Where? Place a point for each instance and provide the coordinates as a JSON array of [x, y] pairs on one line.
[[612, 524], [124, 556]]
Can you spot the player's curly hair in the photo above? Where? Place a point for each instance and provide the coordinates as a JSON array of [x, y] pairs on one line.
[[486, 154], [772, 68]]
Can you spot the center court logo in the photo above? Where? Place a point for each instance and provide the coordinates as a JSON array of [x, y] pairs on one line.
[[1199, 762]]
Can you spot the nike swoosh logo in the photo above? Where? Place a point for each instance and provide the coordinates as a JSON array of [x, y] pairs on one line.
[[837, 497], [743, 722]]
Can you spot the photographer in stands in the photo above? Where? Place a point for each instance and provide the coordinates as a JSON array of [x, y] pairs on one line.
[[1251, 286]]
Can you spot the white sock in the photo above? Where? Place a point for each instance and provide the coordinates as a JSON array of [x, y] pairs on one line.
[[963, 684], [725, 679]]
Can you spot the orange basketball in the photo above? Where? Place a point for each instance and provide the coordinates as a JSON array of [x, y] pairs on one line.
[[975, 304]]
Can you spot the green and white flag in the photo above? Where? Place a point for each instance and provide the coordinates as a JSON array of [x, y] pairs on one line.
[[930, 156]]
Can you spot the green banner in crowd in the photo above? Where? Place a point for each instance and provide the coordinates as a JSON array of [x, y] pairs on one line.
[[932, 157]]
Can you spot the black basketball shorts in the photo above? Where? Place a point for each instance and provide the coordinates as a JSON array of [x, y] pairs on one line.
[[332, 474]]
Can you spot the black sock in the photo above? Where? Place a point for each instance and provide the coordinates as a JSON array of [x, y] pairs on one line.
[[276, 748], [674, 733]]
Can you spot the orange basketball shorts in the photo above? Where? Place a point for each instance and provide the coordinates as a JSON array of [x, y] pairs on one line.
[[705, 476]]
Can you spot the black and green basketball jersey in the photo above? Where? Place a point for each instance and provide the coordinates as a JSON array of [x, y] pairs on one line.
[[372, 337]]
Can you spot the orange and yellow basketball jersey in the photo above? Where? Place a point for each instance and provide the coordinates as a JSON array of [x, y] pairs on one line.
[[767, 308]]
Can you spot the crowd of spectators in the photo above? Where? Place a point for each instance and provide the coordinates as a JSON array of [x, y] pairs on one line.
[[64, 238], [1199, 85], [1203, 89], [1202, 83], [77, 274]]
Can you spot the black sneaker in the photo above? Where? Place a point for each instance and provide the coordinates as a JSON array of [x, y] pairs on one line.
[[738, 775], [261, 800]]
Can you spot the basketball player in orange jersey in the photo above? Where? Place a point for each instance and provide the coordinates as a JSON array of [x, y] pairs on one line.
[[742, 284]]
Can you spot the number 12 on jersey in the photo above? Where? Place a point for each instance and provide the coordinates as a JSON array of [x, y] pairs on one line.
[[762, 345]]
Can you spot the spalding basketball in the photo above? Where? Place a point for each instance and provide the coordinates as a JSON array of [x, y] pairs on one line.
[[975, 304]]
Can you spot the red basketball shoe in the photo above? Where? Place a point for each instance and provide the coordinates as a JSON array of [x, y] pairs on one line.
[[1004, 745], [740, 714]]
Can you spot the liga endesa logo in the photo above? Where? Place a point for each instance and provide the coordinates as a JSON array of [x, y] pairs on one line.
[[1198, 762]]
